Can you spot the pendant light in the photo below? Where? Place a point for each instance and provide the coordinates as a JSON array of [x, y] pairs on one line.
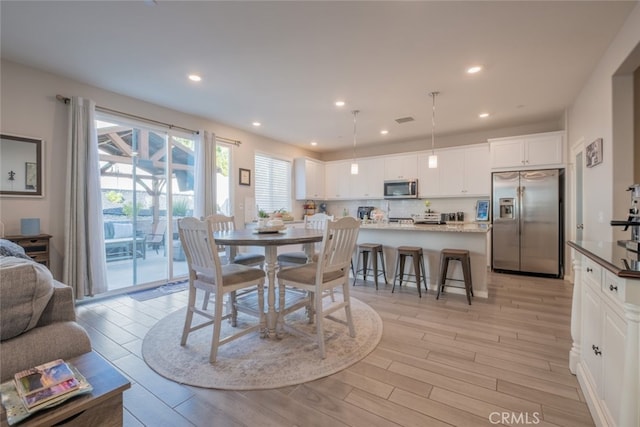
[[354, 164], [433, 159]]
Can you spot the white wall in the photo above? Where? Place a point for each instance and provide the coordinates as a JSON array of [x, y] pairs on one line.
[[29, 107], [590, 117]]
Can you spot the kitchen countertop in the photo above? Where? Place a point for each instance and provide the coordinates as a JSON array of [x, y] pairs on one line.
[[612, 256], [467, 227]]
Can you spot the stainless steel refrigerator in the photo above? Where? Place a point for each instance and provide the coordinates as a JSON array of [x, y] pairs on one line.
[[528, 218]]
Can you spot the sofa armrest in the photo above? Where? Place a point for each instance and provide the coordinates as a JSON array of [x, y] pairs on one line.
[[61, 306]]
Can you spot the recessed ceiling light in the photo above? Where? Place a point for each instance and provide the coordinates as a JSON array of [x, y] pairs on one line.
[[314, 143], [474, 69], [256, 124], [483, 115], [339, 103], [194, 77], [384, 132]]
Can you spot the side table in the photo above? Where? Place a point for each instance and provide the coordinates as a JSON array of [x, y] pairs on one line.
[[37, 247], [103, 406]]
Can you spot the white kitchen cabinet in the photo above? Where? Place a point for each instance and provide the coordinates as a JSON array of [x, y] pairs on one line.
[[608, 351], [404, 166], [527, 151], [461, 172], [428, 179], [477, 173], [369, 182], [337, 180], [309, 179]]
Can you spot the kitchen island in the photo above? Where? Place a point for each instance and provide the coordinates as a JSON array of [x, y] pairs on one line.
[[433, 238]]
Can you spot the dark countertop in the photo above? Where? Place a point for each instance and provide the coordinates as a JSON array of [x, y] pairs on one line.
[[612, 256]]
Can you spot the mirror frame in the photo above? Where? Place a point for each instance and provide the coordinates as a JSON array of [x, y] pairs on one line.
[[39, 166]]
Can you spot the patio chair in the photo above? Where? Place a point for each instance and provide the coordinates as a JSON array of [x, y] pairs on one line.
[[330, 271], [207, 273], [156, 239]]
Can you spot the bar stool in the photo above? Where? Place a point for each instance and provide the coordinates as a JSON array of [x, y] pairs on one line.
[[418, 265], [463, 256], [375, 249]]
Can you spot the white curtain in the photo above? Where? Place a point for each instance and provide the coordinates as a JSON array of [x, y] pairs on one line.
[[84, 257], [205, 175]]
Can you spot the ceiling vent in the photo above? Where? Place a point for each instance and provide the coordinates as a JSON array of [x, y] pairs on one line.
[[402, 120]]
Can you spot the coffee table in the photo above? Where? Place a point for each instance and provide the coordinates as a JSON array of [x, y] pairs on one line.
[[103, 406]]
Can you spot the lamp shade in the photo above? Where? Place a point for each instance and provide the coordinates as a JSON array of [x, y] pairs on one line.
[[30, 226], [354, 168], [433, 161]]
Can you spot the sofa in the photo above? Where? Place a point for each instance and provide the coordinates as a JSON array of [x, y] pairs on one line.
[[37, 317]]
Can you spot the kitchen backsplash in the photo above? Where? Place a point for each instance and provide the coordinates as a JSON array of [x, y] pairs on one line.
[[405, 208]]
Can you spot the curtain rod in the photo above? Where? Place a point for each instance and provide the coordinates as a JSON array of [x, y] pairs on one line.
[[66, 100]]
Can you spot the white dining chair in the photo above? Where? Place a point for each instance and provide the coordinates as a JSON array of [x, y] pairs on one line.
[[227, 223], [331, 270], [311, 222], [207, 273]]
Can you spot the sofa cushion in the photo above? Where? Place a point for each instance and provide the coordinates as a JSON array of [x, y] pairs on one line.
[[25, 290], [122, 230]]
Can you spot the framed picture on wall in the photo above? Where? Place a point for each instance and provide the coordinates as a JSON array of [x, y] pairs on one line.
[[245, 177], [594, 153]]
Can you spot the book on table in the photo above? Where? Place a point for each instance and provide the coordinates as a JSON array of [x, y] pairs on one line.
[[44, 383]]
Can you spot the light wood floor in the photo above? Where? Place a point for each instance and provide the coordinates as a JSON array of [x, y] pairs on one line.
[[439, 363]]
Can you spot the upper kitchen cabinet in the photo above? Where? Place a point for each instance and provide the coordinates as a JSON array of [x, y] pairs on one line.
[[528, 151], [369, 182], [337, 180], [309, 179], [464, 172], [404, 166], [428, 179]]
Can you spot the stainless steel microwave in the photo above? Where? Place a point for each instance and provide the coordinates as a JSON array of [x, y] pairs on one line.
[[401, 189]]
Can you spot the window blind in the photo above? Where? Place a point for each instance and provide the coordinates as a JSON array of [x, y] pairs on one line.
[[272, 183]]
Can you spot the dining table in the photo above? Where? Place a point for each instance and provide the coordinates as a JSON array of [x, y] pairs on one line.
[[270, 241]]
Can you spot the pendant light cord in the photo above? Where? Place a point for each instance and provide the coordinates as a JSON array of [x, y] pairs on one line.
[[355, 113], [433, 123]]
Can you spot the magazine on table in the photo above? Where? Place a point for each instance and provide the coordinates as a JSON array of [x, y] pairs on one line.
[[17, 407], [45, 382]]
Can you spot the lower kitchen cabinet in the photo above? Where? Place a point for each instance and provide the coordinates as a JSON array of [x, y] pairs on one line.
[[608, 343]]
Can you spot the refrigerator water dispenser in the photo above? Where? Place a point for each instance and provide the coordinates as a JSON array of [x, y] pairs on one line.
[[506, 208]]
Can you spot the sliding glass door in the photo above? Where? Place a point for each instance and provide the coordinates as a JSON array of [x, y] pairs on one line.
[[147, 184]]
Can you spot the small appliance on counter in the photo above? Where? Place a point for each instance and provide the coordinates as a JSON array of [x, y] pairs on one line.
[[364, 212], [632, 222], [451, 217], [427, 218]]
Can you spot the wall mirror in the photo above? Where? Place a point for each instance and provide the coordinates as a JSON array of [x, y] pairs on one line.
[[21, 166]]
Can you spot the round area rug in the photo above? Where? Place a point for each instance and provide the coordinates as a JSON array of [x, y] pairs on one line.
[[251, 363]]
